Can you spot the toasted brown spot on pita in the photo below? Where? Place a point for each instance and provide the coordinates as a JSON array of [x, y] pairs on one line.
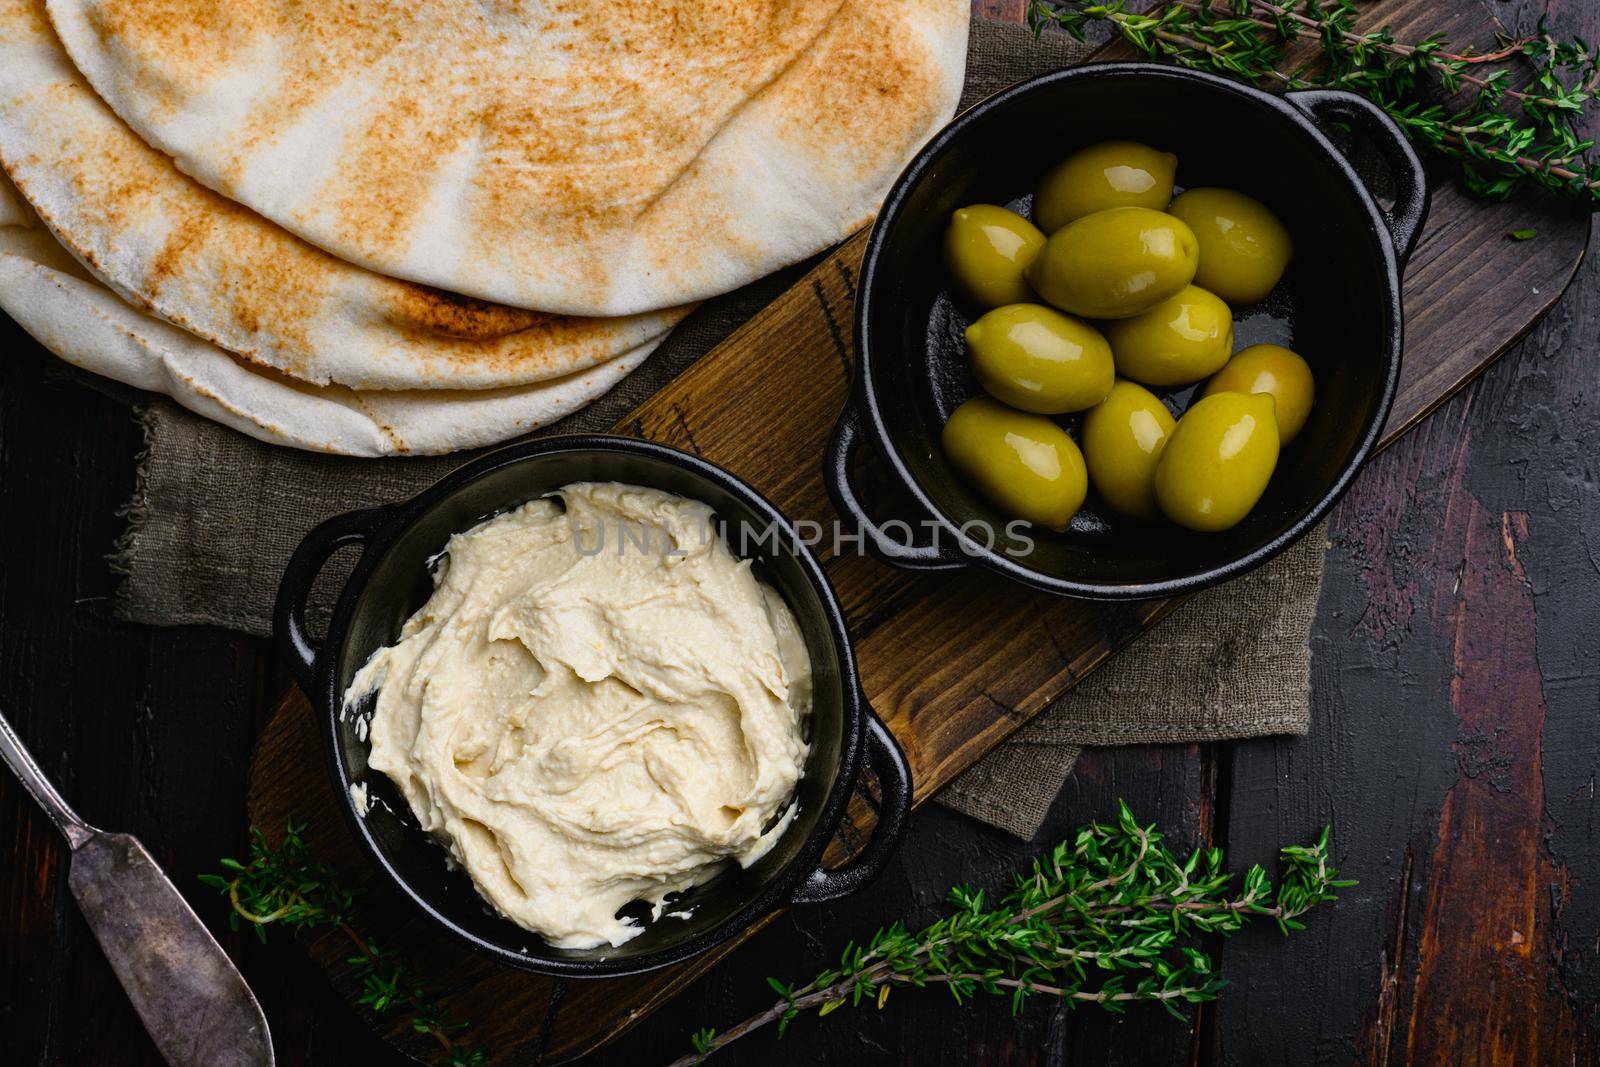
[[423, 309], [187, 232]]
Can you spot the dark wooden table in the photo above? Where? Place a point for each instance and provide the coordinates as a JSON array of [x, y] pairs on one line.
[[1455, 747]]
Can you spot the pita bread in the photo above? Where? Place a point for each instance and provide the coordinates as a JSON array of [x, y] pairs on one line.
[[169, 245], [63, 308], [596, 158]]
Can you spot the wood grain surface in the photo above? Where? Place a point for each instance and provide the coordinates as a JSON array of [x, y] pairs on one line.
[[1454, 747]]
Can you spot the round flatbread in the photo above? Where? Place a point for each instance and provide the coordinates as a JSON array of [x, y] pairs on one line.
[[198, 260], [595, 158], [54, 299]]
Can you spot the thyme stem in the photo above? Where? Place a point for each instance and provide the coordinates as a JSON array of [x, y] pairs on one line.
[[1106, 918], [283, 884], [1454, 102]]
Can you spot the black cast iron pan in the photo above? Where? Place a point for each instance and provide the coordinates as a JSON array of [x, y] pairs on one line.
[[1338, 306], [391, 581]]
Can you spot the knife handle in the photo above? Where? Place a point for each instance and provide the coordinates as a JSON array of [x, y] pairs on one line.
[[38, 786]]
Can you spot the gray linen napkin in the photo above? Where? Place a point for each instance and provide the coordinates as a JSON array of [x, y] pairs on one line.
[[1235, 661], [216, 514]]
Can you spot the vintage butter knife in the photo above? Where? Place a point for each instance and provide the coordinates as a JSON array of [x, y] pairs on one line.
[[192, 999]]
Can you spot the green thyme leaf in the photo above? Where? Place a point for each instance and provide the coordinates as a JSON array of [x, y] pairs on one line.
[[1109, 917], [1510, 119], [284, 885]]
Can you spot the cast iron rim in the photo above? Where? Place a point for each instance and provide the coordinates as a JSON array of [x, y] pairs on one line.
[[864, 391], [778, 890]]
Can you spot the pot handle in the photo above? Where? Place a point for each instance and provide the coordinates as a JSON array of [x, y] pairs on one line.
[[842, 447], [890, 764], [310, 556], [1410, 210]]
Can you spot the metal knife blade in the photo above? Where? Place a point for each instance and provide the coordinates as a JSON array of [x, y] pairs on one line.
[[191, 998], [194, 1003]]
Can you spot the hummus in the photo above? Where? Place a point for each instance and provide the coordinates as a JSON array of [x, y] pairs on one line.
[[599, 704]]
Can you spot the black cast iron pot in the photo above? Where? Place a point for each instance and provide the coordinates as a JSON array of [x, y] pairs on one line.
[[1338, 306], [392, 579]]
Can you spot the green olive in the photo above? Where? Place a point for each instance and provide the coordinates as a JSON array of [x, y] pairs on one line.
[[1114, 263], [1276, 371], [1113, 174], [1180, 340], [1025, 464], [986, 249], [1243, 247], [1218, 461], [1037, 359], [1123, 437]]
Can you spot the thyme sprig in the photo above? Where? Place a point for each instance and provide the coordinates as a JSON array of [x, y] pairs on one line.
[[1511, 117], [285, 885], [1107, 917]]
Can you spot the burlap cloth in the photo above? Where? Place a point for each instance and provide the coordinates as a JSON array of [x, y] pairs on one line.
[[216, 514]]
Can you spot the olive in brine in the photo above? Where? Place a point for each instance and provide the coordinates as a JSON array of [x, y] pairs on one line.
[[1123, 437], [1218, 461], [1113, 174], [986, 249], [1180, 340], [1115, 263], [1037, 359], [1276, 371], [1244, 249], [1025, 464]]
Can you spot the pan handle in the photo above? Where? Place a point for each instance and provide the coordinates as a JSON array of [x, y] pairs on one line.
[[842, 448], [883, 751], [310, 556], [1410, 211]]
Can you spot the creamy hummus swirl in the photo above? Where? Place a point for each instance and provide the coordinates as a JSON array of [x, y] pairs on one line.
[[587, 721]]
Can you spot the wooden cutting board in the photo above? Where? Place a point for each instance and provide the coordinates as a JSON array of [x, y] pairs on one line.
[[953, 664]]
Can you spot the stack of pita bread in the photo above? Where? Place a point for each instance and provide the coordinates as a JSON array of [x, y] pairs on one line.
[[413, 226]]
